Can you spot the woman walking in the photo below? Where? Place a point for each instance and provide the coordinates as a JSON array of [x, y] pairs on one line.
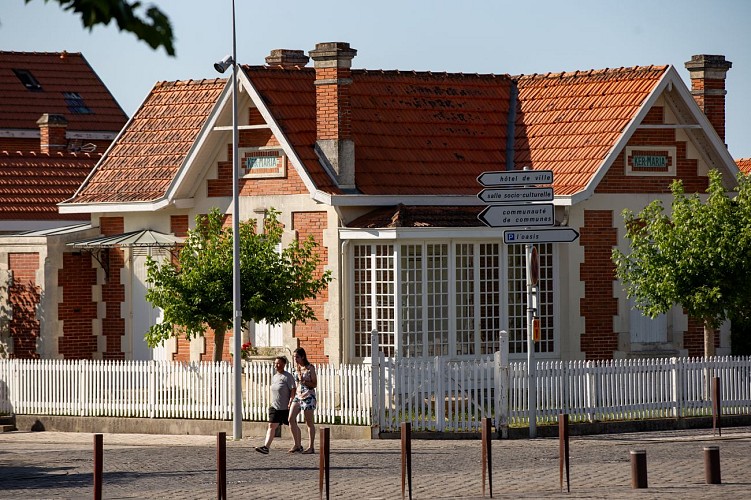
[[305, 401]]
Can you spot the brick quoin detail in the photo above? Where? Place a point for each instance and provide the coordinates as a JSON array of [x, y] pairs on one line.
[[179, 225], [598, 306], [24, 296], [113, 292], [616, 180], [77, 309], [313, 333]]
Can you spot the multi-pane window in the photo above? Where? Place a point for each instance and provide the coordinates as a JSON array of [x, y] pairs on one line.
[[451, 298], [517, 299], [374, 297]]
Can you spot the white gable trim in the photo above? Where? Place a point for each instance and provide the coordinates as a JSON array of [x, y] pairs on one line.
[[670, 80], [283, 141]]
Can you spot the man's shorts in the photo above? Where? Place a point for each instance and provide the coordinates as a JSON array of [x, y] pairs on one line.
[[278, 416]]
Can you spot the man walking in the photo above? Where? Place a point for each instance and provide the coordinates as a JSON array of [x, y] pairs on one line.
[[282, 392]]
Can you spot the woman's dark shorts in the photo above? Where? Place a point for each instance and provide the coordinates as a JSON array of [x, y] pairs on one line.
[[278, 416]]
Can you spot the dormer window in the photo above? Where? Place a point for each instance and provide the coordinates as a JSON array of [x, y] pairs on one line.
[[28, 80], [75, 103]]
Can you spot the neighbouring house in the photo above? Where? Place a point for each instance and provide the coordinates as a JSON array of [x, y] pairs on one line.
[[381, 168], [56, 120], [744, 165]]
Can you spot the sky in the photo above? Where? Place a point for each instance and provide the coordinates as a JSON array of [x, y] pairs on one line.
[[471, 36]]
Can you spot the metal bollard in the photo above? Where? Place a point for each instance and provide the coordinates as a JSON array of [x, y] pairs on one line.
[[638, 468], [487, 456], [563, 454], [221, 466], [407, 457], [324, 463], [98, 465], [712, 464]]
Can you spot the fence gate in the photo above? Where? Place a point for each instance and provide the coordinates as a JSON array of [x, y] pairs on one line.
[[439, 394]]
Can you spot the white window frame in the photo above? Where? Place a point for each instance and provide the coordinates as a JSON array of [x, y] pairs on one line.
[[400, 237]]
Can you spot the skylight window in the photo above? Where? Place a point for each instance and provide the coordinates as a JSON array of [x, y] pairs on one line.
[[75, 103], [28, 80]]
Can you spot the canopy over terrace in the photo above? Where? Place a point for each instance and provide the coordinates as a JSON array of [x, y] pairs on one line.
[[139, 239]]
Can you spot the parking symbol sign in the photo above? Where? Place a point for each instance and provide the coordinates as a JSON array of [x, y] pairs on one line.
[[510, 236]]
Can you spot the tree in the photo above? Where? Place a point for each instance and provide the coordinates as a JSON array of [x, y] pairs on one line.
[[151, 26], [195, 291], [699, 257]]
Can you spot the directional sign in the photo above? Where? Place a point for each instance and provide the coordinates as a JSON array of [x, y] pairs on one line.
[[515, 177], [529, 214], [510, 195], [557, 235]]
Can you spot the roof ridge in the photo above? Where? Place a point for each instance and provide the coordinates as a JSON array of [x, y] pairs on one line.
[[37, 154], [202, 81], [429, 73], [41, 53], [591, 72]]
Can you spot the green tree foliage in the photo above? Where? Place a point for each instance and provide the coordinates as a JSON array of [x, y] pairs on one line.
[[150, 25], [699, 257], [195, 291]]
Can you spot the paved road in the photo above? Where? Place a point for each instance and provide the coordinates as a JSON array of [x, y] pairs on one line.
[[60, 465]]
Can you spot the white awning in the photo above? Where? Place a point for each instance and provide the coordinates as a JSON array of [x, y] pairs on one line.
[[142, 238]]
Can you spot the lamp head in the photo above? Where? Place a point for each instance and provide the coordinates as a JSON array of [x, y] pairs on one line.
[[225, 63]]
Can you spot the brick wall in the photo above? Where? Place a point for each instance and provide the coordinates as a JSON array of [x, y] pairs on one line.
[[222, 185], [313, 333], [616, 180], [113, 292], [333, 115], [77, 311], [598, 306], [24, 295]]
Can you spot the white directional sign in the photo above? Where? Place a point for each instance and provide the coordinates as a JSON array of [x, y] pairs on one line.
[[541, 214], [523, 236], [515, 177], [510, 195]]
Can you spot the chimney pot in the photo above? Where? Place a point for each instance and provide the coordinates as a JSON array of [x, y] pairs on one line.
[[334, 145], [287, 58], [708, 73], [52, 130]]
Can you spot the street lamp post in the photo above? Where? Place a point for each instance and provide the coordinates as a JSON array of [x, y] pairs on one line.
[[237, 432]]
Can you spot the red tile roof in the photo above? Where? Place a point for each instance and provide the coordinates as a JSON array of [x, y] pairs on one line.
[[32, 184], [56, 72], [568, 122], [744, 164], [141, 165], [414, 133], [419, 216]]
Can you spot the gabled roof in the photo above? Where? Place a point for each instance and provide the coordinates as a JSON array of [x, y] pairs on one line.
[[142, 163], [569, 122], [744, 164], [32, 184], [415, 134], [56, 74]]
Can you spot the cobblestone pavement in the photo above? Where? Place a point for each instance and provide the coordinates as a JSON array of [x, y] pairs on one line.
[[60, 465]]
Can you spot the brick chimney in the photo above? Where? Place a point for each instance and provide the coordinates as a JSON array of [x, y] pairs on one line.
[[708, 75], [52, 130], [287, 58], [334, 145]]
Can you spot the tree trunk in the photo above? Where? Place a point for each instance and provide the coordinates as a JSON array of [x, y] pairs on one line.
[[219, 333], [708, 339]]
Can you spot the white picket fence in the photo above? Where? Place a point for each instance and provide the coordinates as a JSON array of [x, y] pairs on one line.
[[441, 395], [163, 389], [434, 394]]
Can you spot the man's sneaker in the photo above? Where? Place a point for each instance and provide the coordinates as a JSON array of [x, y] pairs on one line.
[[263, 449]]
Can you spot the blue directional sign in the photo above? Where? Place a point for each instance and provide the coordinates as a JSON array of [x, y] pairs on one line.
[[556, 235]]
